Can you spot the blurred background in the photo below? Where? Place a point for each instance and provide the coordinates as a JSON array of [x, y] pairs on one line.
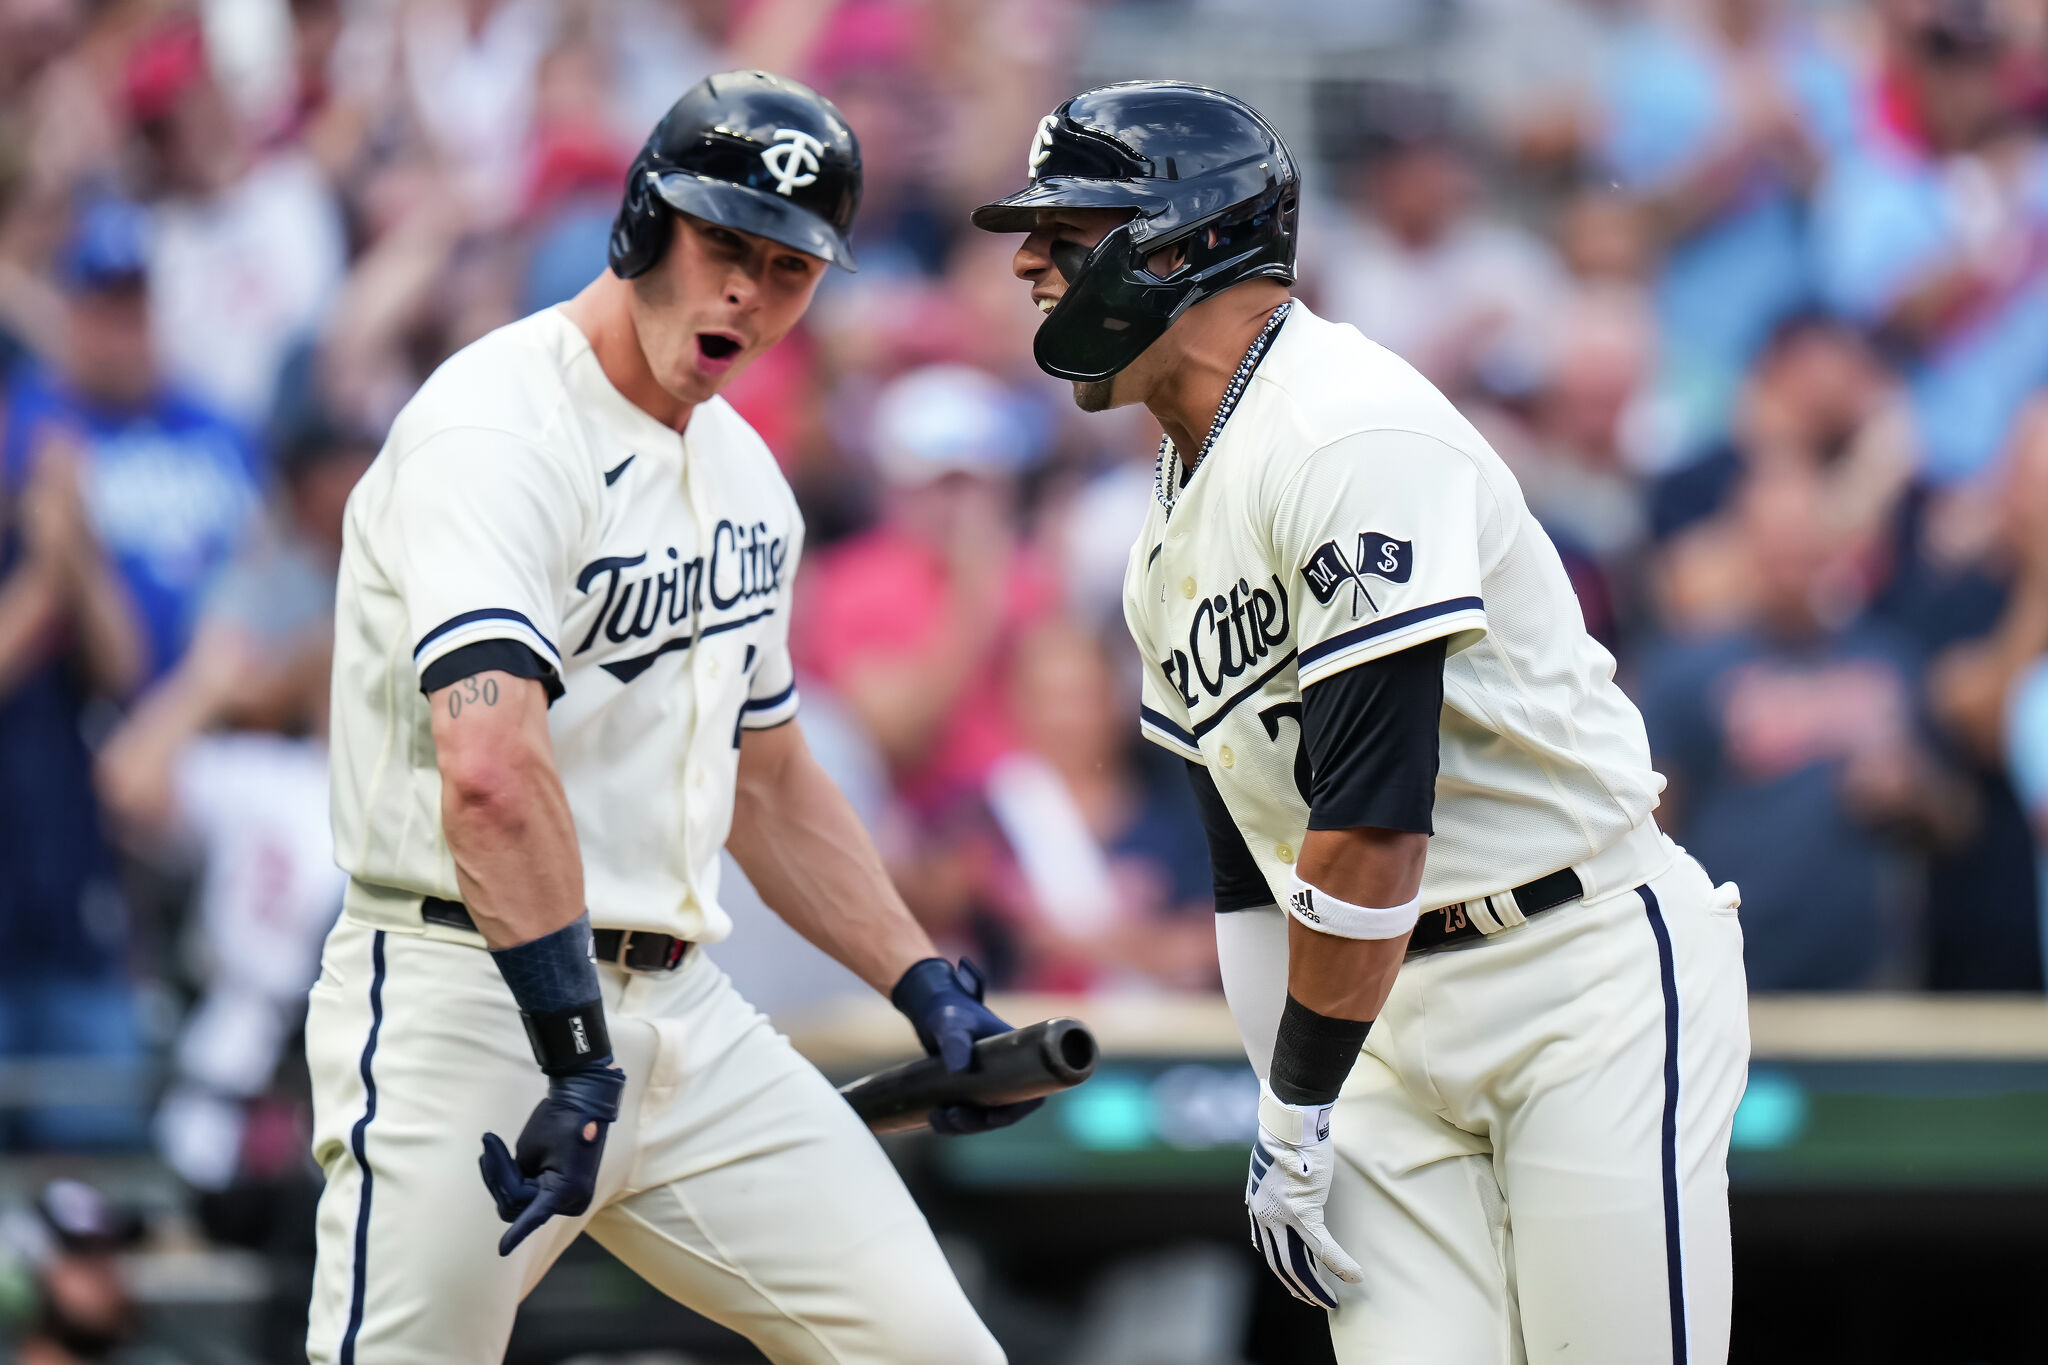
[[1752, 295]]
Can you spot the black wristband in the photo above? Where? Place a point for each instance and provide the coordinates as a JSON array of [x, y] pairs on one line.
[[1313, 1054], [569, 1040], [554, 982]]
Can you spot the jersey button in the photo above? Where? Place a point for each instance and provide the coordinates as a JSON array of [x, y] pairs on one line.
[[711, 668], [1285, 853], [1225, 757], [1187, 588]]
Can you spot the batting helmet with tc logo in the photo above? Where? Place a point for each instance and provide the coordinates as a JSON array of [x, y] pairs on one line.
[[750, 151]]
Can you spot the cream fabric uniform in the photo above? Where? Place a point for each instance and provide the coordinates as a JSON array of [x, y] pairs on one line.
[[1348, 511], [520, 497], [1532, 1150]]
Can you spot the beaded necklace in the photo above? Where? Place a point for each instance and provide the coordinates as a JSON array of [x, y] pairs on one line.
[[1167, 487]]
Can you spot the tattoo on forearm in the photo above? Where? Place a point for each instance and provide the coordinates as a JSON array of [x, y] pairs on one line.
[[472, 692]]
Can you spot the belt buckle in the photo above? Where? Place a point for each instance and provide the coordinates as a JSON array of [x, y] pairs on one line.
[[676, 948]]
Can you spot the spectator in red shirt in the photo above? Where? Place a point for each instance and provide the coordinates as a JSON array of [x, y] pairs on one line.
[[912, 623]]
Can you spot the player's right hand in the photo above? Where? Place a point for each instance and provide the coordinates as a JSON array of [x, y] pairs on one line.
[[1292, 1163], [943, 1003], [559, 1152]]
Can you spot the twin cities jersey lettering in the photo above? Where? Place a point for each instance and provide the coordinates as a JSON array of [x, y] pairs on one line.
[[521, 497], [1347, 511]]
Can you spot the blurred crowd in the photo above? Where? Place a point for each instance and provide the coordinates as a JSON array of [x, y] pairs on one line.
[[1751, 294]]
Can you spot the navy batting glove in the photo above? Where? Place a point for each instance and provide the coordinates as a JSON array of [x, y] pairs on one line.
[[944, 1005], [559, 1152]]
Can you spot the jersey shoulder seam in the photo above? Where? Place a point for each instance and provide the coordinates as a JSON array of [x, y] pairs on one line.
[[1294, 475]]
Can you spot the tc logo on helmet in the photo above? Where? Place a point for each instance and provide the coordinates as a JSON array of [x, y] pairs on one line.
[[793, 160], [1041, 145]]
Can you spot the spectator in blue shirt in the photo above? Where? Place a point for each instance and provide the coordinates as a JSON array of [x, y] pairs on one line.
[[1719, 123], [1935, 233], [1795, 758], [2027, 755], [68, 632], [170, 488]]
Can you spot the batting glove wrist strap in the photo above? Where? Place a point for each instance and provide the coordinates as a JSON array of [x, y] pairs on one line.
[[592, 1093], [554, 981], [1297, 1125], [1326, 914]]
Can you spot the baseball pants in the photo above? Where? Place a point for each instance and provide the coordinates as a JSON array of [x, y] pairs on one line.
[[1532, 1150], [735, 1180]]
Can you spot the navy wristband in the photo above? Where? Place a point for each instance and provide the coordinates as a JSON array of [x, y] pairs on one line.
[[1313, 1054], [554, 982]]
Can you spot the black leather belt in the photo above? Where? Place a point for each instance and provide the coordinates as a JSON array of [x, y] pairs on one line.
[[634, 949], [1453, 922]]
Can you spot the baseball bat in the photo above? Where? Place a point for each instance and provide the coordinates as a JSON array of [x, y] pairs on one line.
[[1022, 1064]]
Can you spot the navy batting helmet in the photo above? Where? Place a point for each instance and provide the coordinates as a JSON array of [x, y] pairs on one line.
[[1199, 169], [749, 151]]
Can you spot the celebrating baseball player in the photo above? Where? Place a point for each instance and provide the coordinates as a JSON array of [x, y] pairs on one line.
[[562, 683], [1498, 1018]]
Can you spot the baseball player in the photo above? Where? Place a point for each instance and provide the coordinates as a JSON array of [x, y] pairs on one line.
[[561, 683], [1498, 1064]]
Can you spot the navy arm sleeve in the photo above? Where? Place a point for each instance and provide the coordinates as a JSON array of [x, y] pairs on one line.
[[1371, 732], [1239, 883]]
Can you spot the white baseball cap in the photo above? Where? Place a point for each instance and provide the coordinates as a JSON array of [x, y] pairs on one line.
[[950, 419]]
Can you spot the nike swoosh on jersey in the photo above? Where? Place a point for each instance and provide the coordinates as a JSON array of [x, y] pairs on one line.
[[611, 476]]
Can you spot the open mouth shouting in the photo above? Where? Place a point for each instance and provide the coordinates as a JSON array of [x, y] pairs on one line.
[[717, 350]]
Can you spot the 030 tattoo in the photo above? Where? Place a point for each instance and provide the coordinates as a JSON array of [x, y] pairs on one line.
[[471, 692]]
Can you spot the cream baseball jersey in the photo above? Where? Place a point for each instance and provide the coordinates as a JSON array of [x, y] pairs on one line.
[[521, 497], [1348, 511]]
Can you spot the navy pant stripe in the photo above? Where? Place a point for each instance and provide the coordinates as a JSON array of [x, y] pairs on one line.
[[1674, 1266], [356, 1144]]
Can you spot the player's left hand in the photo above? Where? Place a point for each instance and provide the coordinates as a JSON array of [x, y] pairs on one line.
[[559, 1152], [1292, 1162], [944, 1005]]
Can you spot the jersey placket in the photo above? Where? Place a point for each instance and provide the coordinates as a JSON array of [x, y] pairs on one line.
[[696, 777]]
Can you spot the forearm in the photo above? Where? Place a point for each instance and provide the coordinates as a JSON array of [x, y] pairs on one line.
[[28, 615], [504, 812], [901, 705], [516, 859], [136, 763], [110, 633], [806, 852], [1344, 978], [1937, 303], [904, 702], [1349, 978]]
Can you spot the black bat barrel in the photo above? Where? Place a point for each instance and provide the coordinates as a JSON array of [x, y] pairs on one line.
[[1022, 1064]]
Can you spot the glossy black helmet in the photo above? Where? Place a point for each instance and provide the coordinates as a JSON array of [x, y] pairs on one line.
[[750, 151], [1198, 168]]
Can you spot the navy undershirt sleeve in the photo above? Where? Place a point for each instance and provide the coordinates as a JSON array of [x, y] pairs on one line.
[[1371, 733], [492, 656], [1239, 883]]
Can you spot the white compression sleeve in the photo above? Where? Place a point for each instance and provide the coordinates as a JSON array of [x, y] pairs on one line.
[[1251, 948]]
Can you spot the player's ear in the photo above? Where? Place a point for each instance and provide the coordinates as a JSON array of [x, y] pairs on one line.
[[1166, 260]]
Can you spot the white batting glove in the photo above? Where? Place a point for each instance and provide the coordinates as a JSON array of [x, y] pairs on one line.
[[1292, 1162]]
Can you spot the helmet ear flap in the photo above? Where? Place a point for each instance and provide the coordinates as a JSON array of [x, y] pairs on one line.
[[641, 231]]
